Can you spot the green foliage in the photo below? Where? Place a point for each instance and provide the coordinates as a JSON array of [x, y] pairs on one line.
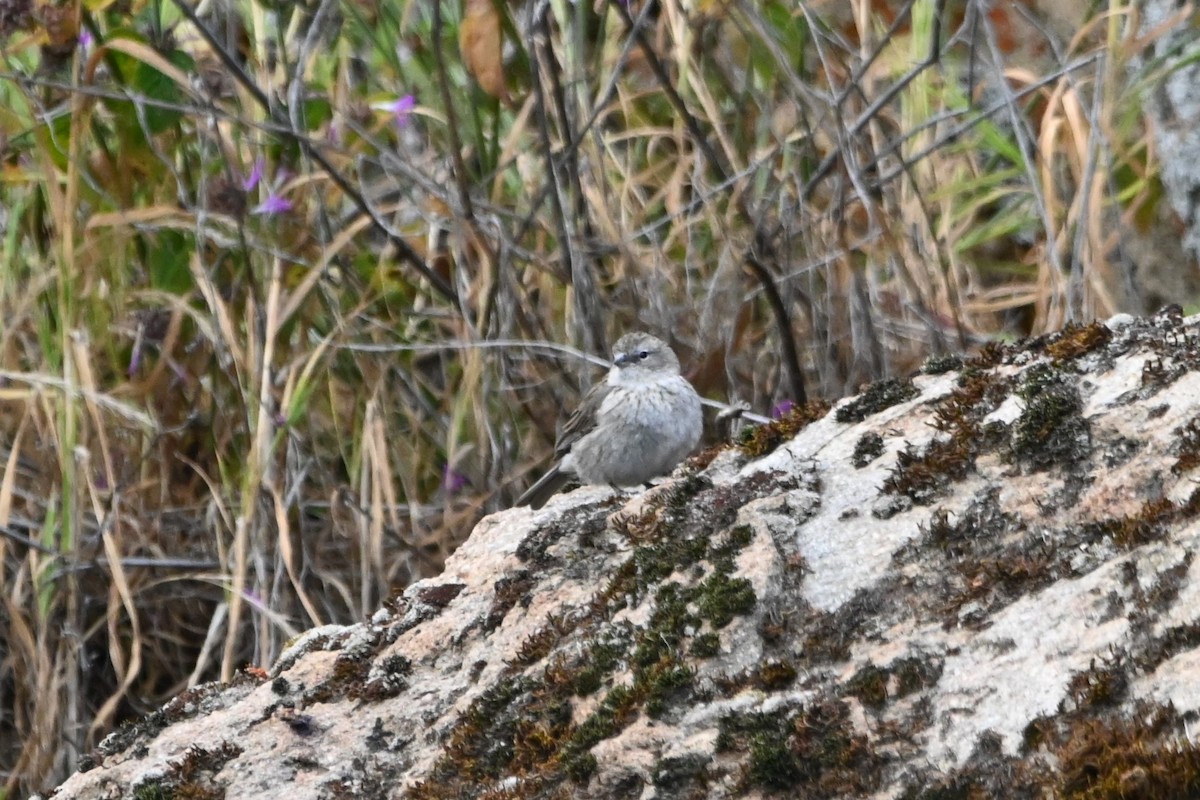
[[159, 96], [168, 258]]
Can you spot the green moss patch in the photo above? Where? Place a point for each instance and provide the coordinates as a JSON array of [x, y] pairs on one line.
[[811, 752], [762, 439], [923, 473], [1051, 430], [868, 448], [525, 727], [877, 397]]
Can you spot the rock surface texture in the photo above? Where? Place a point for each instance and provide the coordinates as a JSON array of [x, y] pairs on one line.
[[1173, 103], [979, 582]]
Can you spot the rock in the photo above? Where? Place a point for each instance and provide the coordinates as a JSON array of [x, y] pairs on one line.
[[982, 583], [1172, 103]]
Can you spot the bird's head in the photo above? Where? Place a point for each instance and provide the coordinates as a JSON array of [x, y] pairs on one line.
[[639, 356]]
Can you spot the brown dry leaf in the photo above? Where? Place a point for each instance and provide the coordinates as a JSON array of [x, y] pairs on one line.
[[61, 26], [481, 42]]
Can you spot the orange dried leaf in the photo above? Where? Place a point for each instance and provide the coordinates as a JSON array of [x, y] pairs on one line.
[[480, 39]]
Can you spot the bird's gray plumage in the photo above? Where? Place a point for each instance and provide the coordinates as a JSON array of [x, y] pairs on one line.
[[636, 424]]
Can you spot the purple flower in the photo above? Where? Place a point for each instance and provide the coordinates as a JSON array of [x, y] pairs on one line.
[[86, 40], [781, 409], [274, 204], [401, 108], [333, 134], [255, 176], [453, 481], [135, 358]]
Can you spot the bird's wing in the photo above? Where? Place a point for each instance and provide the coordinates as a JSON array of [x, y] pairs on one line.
[[583, 421]]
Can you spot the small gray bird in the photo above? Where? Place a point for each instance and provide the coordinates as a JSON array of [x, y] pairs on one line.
[[637, 424]]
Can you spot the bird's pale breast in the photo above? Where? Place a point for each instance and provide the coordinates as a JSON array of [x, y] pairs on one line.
[[642, 431]]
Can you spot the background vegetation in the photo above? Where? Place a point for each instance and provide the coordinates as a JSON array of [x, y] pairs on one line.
[[294, 293]]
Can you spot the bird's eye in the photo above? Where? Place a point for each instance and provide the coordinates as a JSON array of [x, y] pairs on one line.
[[644, 354]]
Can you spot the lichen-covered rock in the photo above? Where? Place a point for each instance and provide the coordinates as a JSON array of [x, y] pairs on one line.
[[977, 583]]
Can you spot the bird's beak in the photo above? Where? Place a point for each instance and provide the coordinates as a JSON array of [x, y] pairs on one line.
[[622, 359]]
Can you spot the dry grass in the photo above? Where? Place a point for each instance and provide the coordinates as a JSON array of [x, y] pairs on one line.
[[235, 409]]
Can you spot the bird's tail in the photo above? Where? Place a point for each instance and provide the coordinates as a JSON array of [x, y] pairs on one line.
[[547, 486]]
